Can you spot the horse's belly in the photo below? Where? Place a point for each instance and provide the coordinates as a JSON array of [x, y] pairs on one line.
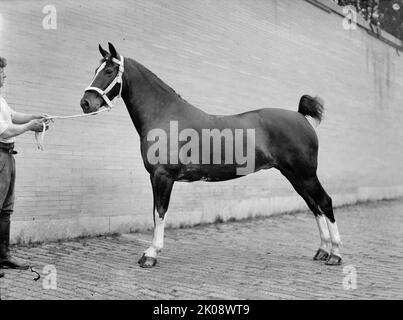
[[215, 173], [212, 173]]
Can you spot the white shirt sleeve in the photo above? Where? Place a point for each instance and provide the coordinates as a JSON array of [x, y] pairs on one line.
[[3, 126], [6, 115]]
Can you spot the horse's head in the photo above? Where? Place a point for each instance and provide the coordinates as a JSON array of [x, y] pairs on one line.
[[107, 83]]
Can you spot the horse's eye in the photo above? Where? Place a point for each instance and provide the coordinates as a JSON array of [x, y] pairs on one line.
[[109, 71]]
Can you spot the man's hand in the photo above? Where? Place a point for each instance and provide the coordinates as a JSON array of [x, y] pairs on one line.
[[24, 118], [37, 125], [41, 116]]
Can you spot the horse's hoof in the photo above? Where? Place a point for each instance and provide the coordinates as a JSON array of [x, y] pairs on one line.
[[321, 255], [147, 262], [334, 260]]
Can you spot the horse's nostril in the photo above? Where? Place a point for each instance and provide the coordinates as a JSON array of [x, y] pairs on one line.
[[84, 104]]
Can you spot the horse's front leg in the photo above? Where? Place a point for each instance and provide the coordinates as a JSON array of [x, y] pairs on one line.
[[162, 186]]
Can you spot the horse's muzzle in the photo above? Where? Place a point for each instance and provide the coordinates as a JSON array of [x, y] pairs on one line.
[[85, 105]]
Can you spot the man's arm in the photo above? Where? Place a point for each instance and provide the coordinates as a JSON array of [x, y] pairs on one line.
[[22, 118], [14, 130]]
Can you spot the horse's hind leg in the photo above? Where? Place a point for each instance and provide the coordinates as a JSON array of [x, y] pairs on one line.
[[312, 186], [323, 253], [324, 201], [162, 187]]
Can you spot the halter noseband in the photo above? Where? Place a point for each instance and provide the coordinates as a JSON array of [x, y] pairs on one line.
[[118, 79]]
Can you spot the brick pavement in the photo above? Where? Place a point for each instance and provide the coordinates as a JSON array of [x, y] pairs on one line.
[[256, 259]]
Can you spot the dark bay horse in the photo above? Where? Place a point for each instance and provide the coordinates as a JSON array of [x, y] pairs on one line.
[[180, 142]]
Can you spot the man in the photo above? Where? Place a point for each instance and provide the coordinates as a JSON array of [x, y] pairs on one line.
[[12, 124]]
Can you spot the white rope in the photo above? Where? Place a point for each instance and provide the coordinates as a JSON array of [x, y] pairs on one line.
[[40, 136]]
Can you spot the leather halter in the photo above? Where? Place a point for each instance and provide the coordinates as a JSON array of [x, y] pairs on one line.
[[117, 80]]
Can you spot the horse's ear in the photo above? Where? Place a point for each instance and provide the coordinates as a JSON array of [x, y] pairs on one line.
[[102, 51], [112, 50]]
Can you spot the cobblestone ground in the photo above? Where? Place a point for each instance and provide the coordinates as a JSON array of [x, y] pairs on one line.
[[258, 259]]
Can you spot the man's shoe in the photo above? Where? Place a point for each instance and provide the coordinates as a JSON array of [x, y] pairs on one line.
[[12, 263], [6, 261]]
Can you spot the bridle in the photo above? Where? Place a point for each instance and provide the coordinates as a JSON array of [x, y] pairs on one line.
[[117, 80]]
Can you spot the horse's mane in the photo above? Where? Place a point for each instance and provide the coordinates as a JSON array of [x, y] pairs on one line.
[[147, 73], [154, 79]]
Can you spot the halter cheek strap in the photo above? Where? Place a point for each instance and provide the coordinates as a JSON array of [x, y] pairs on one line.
[[117, 80]]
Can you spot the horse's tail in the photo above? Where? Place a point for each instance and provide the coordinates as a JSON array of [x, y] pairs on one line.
[[312, 107]]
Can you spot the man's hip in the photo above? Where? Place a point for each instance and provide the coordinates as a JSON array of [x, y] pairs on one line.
[[7, 179], [7, 147]]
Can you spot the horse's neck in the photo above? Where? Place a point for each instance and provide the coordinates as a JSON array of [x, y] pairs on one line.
[[146, 97]]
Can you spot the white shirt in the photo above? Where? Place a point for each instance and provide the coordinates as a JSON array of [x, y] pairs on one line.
[[6, 117]]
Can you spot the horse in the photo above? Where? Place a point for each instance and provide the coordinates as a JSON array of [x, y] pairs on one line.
[[281, 139]]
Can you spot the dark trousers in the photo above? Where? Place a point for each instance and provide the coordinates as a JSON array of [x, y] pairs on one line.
[[7, 183]]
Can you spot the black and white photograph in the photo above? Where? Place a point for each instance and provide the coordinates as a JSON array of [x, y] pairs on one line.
[[217, 152]]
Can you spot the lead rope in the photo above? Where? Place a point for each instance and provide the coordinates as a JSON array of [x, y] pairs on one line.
[[38, 276], [40, 136]]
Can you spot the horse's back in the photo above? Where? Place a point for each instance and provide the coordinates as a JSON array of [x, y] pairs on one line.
[[277, 130], [287, 122], [283, 137], [275, 123]]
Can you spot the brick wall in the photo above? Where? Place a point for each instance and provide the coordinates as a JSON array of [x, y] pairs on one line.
[[225, 57]]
